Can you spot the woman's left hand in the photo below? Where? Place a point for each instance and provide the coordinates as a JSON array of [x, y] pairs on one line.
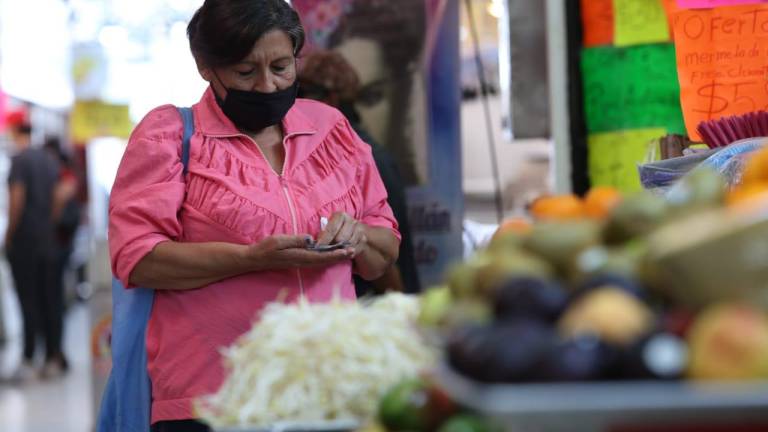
[[344, 228]]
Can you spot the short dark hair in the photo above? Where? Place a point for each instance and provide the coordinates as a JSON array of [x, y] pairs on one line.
[[222, 32]]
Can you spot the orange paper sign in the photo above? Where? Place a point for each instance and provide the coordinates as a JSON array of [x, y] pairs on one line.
[[597, 20], [671, 9], [722, 59]]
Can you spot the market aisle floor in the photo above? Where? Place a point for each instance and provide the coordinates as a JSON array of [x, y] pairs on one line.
[[63, 405]]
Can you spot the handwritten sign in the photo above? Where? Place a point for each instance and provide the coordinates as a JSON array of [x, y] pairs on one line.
[[704, 4], [631, 88], [722, 58], [614, 157], [597, 21], [91, 119], [639, 22], [671, 9]]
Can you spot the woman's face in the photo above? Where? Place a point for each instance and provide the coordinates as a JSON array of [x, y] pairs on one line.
[[270, 66]]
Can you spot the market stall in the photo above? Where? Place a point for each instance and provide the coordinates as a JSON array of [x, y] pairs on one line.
[[638, 306]]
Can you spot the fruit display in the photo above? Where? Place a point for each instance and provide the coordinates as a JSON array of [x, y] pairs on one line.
[[613, 287]]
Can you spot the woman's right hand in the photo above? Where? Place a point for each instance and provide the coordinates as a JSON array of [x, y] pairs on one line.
[[284, 252]]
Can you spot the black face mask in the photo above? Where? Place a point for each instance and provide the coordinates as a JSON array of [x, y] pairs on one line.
[[254, 111]]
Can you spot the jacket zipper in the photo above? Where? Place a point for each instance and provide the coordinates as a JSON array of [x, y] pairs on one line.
[[292, 209], [286, 193]]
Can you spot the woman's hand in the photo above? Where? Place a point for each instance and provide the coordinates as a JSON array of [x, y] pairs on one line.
[[182, 266], [344, 228], [284, 252], [374, 249]]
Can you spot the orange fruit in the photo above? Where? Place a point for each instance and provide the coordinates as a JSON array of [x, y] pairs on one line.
[[600, 201], [510, 232], [756, 168], [753, 193], [517, 225], [558, 207]]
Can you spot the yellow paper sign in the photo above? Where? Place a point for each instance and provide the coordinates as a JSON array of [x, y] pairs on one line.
[[614, 157], [91, 119], [639, 22]]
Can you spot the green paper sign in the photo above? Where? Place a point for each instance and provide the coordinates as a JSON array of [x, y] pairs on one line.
[[614, 157], [631, 88]]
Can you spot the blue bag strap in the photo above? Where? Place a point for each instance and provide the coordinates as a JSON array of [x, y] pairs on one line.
[[127, 398], [188, 117]]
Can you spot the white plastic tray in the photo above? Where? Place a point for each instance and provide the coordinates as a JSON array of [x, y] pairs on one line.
[[320, 426], [606, 406]]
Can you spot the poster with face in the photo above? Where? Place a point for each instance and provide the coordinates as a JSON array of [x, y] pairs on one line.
[[383, 41], [404, 57]]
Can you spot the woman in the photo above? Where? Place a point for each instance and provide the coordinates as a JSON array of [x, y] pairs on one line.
[[265, 173]]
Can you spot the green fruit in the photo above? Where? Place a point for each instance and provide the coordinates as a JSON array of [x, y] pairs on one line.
[[700, 189], [636, 216], [467, 423], [435, 304], [622, 261], [466, 311], [404, 407], [560, 242], [506, 265], [710, 256], [508, 241], [461, 277]]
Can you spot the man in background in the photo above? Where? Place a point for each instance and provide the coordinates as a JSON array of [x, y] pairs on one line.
[[327, 77], [30, 245]]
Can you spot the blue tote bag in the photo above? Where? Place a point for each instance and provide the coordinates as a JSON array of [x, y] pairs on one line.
[[127, 399]]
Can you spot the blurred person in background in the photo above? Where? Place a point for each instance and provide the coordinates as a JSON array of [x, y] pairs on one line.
[[383, 40], [327, 77], [66, 208], [30, 245], [268, 177]]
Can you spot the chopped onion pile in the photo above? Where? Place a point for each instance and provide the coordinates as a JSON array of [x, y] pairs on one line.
[[316, 362]]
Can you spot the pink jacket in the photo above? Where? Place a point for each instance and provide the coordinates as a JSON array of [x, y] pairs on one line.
[[231, 194]]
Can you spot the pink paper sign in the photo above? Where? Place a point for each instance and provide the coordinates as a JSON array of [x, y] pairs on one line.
[[704, 4]]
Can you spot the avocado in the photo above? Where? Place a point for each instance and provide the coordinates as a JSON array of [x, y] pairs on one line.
[[581, 358], [636, 216], [468, 423], [434, 305], [404, 407], [507, 241], [461, 277], [624, 260], [560, 242], [530, 297], [702, 188], [505, 265], [502, 352]]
